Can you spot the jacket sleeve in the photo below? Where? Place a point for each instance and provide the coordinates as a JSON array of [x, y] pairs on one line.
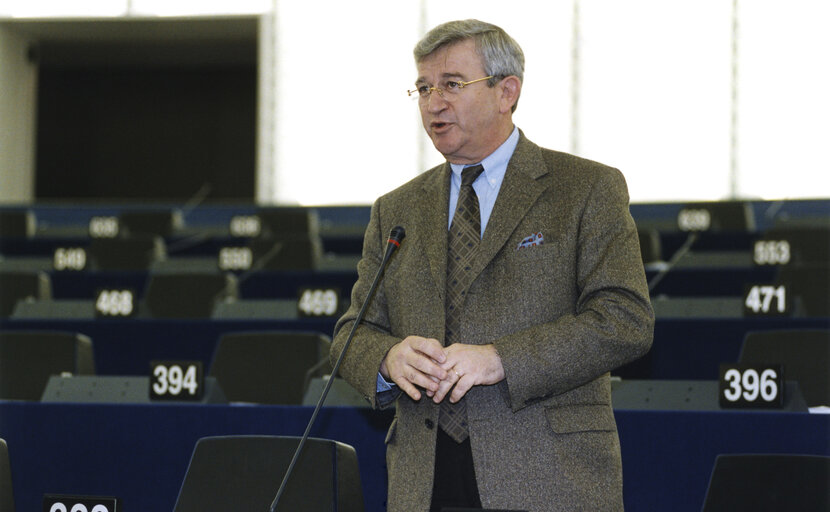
[[612, 322], [372, 338]]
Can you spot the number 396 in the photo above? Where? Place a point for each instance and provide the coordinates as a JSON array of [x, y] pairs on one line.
[[750, 385]]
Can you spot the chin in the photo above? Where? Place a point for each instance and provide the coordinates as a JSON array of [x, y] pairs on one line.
[[444, 147]]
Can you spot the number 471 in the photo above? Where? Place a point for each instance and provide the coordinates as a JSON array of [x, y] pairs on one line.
[[759, 299]]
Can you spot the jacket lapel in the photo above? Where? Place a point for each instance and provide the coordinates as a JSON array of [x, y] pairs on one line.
[[433, 217], [519, 191]]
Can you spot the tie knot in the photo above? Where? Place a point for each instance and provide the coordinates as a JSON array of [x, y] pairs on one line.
[[470, 174]]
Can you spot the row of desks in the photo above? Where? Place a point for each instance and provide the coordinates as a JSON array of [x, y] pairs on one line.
[[140, 453], [683, 349], [681, 282]]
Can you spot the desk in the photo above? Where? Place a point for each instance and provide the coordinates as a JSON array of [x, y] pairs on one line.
[[140, 453], [126, 346], [686, 349], [693, 349]]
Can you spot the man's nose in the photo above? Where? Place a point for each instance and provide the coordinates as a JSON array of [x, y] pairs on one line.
[[436, 101]]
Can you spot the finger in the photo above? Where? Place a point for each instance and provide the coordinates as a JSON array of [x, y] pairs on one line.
[[410, 390], [418, 366], [429, 347], [428, 367], [404, 375], [416, 378], [430, 392], [456, 353], [444, 387], [461, 387]]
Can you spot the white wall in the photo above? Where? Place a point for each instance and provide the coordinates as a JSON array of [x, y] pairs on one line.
[[18, 102], [344, 130], [644, 85], [648, 86]]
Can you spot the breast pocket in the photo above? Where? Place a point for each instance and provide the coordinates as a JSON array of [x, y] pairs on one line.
[[535, 253], [535, 268]]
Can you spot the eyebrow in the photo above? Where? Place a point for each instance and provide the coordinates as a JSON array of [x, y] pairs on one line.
[[445, 76]]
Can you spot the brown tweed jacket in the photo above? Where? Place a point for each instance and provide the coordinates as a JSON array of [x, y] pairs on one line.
[[561, 315]]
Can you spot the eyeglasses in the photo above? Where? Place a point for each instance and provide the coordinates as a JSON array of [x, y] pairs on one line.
[[448, 92]]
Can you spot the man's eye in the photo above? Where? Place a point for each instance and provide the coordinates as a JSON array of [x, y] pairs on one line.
[[452, 86], [423, 90]]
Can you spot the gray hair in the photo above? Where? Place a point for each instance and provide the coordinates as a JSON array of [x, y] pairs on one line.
[[499, 53]]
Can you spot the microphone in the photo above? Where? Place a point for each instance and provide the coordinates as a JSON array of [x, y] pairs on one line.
[[396, 236], [678, 254]]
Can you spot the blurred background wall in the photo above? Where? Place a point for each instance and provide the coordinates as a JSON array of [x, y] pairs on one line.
[[283, 102]]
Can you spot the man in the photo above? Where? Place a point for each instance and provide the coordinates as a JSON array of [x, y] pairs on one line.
[[497, 351]]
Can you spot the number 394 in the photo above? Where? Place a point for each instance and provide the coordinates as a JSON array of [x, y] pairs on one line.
[[173, 380]]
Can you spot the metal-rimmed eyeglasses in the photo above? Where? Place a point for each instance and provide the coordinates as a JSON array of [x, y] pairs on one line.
[[447, 92]]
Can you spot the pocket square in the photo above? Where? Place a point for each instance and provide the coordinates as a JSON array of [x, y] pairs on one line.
[[531, 241]]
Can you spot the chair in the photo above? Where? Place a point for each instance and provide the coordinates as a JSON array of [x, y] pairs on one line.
[[286, 252], [288, 221], [340, 393], [136, 252], [243, 473], [808, 245], [810, 285], [269, 367], [727, 216], [15, 286], [651, 248], [289, 239], [805, 355], [187, 295], [163, 223], [29, 358], [17, 224], [6, 490], [763, 483]]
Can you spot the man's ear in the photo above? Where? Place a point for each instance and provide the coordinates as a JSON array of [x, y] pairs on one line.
[[510, 87]]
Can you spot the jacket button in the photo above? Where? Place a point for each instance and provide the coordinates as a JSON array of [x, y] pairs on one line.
[[429, 423]]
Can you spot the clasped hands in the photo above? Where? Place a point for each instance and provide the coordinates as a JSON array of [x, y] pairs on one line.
[[422, 363]]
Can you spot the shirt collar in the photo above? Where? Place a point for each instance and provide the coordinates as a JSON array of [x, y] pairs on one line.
[[495, 164]]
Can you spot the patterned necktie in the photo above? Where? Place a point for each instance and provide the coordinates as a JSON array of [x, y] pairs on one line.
[[463, 240]]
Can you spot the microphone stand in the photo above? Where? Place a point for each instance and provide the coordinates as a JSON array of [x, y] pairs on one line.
[[395, 237]]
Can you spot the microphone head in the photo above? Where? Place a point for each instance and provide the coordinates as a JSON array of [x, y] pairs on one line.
[[397, 235]]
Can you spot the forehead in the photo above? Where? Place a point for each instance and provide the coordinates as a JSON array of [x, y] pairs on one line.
[[456, 60]]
